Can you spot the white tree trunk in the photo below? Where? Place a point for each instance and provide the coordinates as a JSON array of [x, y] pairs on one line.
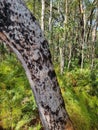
[[50, 18], [20, 30], [42, 15], [61, 49], [83, 25], [94, 32]]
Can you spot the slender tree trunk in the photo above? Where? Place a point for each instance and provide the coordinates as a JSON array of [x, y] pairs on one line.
[[70, 55], [82, 24], [51, 31], [50, 18], [66, 11], [94, 32], [50, 23], [93, 48], [61, 49], [43, 15], [20, 30]]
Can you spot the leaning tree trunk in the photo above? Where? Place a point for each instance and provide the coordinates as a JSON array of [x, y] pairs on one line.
[[20, 30]]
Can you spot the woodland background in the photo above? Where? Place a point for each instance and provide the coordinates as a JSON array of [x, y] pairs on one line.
[[71, 27]]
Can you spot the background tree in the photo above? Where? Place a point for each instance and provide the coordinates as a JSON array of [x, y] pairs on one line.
[[42, 15]]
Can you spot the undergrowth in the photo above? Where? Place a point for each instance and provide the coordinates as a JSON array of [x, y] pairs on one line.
[[18, 110]]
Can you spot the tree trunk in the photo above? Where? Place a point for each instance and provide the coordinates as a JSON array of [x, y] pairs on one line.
[[82, 24], [42, 15], [20, 30], [94, 32], [61, 49], [50, 18], [70, 55], [51, 31]]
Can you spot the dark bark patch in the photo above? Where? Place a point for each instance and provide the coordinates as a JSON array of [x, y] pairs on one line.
[[55, 88], [19, 15], [34, 33], [32, 17], [47, 107], [21, 50], [11, 35], [26, 38], [27, 49], [31, 39], [17, 41], [14, 45], [16, 13], [50, 97], [45, 112], [45, 44], [25, 57], [54, 113], [51, 74], [26, 14], [60, 119], [1, 4], [40, 67], [62, 104], [5, 13], [29, 65], [40, 35], [44, 56]]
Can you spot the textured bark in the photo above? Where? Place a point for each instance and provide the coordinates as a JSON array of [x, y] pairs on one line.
[[20, 30]]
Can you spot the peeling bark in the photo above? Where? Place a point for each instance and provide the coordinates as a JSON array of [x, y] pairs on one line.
[[20, 30]]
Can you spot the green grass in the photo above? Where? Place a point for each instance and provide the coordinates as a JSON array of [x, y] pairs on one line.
[[81, 104]]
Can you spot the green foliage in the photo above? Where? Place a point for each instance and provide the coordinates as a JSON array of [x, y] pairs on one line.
[[80, 92], [17, 104]]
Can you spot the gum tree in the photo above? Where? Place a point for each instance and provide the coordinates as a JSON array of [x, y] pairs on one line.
[[20, 30]]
